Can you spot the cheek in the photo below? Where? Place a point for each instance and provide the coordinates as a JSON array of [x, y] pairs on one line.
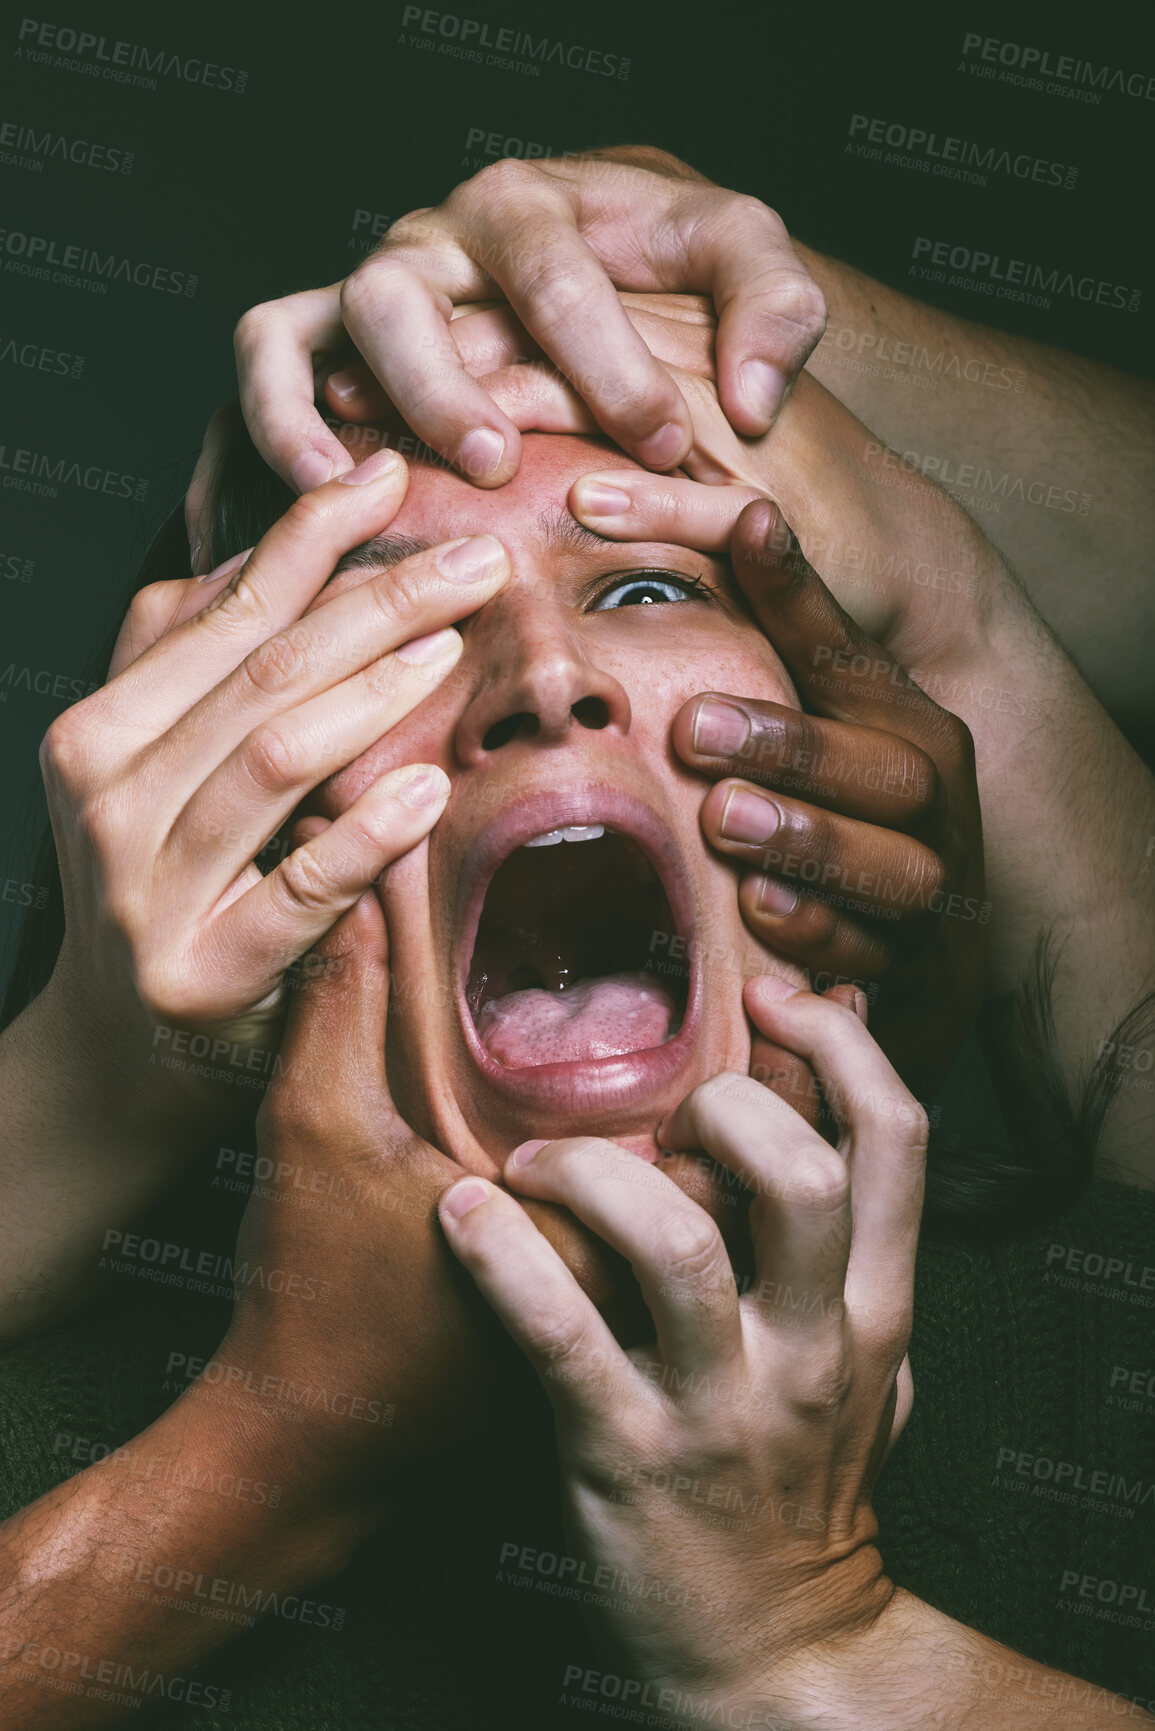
[[424, 736]]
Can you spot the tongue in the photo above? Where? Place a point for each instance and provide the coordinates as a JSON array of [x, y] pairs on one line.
[[594, 1019]]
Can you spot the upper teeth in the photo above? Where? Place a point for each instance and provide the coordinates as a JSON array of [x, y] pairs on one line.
[[574, 832]]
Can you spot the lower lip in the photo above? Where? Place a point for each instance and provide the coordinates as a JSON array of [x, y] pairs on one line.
[[596, 1085]]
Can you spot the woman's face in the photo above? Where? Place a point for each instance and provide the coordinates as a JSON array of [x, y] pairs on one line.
[[544, 986]]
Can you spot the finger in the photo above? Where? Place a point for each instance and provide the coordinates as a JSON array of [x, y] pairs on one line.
[[288, 568], [672, 1245], [771, 315], [161, 607], [537, 399], [800, 1212], [275, 344], [859, 771], [282, 915], [582, 1368], [811, 929], [334, 1034], [246, 799], [354, 395], [626, 505], [339, 657], [786, 1075], [558, 287], [394, 311], [883, 1133], [861, 867], [837, 669]]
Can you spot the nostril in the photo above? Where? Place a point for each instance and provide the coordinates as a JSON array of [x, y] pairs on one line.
[[591, 712], [503, 731]]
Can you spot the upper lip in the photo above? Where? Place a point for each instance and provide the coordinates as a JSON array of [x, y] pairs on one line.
[[512, 828]]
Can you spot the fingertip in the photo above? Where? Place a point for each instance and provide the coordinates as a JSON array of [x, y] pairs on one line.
[[761, 390], [462, 1198]]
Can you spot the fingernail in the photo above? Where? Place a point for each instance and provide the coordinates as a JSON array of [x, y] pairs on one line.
[[465, 1196], [431, 647], [525, 1151], [595, 499], [748, 817], [775, 897], [664, 447], [227, 569], [471, 561], [860, 1007], [375, 468], [773, 986], [480, 453], [720, 729], [763, 387], [312, 469], [345, 385], [429, 785]]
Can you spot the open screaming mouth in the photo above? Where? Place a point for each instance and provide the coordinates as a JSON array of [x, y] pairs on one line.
[[561, 965]]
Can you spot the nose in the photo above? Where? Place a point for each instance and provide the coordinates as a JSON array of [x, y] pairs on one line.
[[535, 679]]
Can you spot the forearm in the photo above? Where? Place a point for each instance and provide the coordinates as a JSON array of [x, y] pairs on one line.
[[918, 1670], [91, 1137], [113, 1579], [1052, 454]]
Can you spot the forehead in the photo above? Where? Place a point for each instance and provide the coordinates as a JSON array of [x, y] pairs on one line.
[[441, 505]]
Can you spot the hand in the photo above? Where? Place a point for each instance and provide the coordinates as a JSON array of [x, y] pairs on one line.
[[871, 866], [732, 1464], [554, 238], [228, 702]]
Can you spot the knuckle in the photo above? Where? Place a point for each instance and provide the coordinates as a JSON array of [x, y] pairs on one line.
[[505, 179], [556, 1338], [253, 325], [692, 1247], [303, 882], [823, 1389], [915, 771], [555, 288], [274, 664], [66, 749], [818, 1181], [273, 758]]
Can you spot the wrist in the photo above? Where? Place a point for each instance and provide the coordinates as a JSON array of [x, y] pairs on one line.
[[290, 1511]]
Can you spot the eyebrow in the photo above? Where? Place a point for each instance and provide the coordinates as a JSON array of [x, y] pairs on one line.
[[558, 530]]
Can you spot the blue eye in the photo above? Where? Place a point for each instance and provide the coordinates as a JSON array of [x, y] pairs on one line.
[[643, 591]]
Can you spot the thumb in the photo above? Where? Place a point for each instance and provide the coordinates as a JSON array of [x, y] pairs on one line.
[[333, 1050]]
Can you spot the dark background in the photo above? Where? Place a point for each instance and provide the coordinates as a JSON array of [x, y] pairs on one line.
[[256, 194]]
